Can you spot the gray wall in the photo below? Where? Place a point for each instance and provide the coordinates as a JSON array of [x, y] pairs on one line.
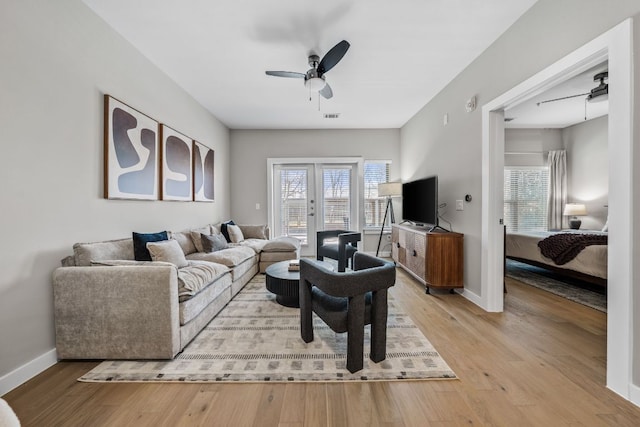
[[536, 143], [588, 169], [58, 59], [250, 150]]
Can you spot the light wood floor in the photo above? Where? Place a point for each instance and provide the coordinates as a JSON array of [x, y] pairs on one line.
[[540, 363]]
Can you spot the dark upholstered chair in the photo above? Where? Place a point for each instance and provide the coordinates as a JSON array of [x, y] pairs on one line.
[[342, 247], [347, 302]]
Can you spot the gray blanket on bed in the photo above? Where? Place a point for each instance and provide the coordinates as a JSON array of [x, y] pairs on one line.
[[563, 247]]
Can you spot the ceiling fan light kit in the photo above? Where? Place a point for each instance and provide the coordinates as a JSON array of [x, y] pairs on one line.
[[315, 83], [314, 78]]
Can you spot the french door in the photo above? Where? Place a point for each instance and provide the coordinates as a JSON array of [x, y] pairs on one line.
[[308, 197]]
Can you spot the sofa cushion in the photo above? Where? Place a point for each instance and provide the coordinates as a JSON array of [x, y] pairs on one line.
[[84, 253], [213, 243], [196, 276], [129, 262], [282, 244], [254, 231], [218, 293], [235, 233], [185, 241], [256, 244], [167, 251], [230, 257], [140, 240], [277, 256]]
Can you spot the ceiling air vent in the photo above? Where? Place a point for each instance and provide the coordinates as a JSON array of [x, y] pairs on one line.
[[331, 115]]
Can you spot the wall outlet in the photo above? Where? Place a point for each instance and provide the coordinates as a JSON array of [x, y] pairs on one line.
[[257, 206], [459, 205]]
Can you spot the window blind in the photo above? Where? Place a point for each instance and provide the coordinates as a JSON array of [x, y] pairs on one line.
[[337, 198], [375, 172], [525, 198]]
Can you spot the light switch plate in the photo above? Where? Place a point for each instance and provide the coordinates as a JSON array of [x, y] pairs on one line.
[[459, 205]]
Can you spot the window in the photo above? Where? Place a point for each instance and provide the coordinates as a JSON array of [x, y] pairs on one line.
[[525, 198], [375, 172], [336, 184]]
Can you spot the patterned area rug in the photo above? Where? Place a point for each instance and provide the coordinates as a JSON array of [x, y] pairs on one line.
[[255, 339], [536, 277]]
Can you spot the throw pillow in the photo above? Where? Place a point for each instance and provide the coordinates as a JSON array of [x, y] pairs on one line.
[[254, 231], [195, 236], [140, 240], [167, 251], [235, 234], [224, 230], [213, 243]]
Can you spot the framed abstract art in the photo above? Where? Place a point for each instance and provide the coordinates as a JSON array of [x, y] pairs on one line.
[[131, 153], [202, 173], [176, 172]]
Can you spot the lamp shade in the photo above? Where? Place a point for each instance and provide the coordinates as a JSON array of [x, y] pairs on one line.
[[575, 209], [390, 189]]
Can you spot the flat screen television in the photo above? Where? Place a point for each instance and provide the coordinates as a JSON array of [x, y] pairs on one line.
[[420, 201]]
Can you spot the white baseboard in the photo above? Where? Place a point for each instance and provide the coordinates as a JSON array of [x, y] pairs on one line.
[[634, 394], [27, 371], [473, 297]]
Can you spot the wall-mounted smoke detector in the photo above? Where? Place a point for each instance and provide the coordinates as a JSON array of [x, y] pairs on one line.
[[331, 115]]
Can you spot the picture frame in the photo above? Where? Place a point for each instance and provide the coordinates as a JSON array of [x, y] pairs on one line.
[[203, 173], [131, 153], [177, 165]]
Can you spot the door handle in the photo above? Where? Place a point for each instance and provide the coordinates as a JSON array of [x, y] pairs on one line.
[[312, 214]]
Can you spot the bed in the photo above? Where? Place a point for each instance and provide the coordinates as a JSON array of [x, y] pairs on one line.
[[590, 264]]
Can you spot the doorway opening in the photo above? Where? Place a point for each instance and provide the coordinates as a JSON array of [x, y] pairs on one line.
[[614, 46]]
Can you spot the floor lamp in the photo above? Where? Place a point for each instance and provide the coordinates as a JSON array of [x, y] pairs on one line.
[[388, 190]]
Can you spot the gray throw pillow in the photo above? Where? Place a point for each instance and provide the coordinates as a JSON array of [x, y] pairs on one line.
[[213, 243]]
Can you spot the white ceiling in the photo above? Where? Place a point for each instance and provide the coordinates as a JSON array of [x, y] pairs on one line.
[[402, 53], [562, 113]]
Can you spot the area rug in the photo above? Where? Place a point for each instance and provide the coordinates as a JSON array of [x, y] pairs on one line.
[[255, 339], [534, 276]]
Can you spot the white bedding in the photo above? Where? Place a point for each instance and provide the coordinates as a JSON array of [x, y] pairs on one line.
[[592, 260]]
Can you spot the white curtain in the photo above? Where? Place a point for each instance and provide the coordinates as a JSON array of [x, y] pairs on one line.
[[557, 162]]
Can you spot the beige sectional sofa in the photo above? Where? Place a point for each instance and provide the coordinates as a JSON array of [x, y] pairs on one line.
[[107, 305]]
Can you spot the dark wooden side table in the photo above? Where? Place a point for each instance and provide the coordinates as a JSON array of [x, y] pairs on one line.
[[286, 284]]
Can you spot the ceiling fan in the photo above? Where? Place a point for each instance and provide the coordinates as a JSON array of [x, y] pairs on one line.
[[597, 94], [314, 78]]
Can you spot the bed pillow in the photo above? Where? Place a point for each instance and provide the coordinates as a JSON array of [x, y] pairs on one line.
[[606, 226], [167, 251], [140, 241]]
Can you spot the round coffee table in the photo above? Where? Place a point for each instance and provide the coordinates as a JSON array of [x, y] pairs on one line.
[[286, 284]]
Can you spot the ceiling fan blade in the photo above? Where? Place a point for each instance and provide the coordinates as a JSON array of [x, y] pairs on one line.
[[326, 91], [333, 57], [286, 74]]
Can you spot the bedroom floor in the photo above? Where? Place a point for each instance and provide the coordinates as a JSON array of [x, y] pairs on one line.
[[585, 293]]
